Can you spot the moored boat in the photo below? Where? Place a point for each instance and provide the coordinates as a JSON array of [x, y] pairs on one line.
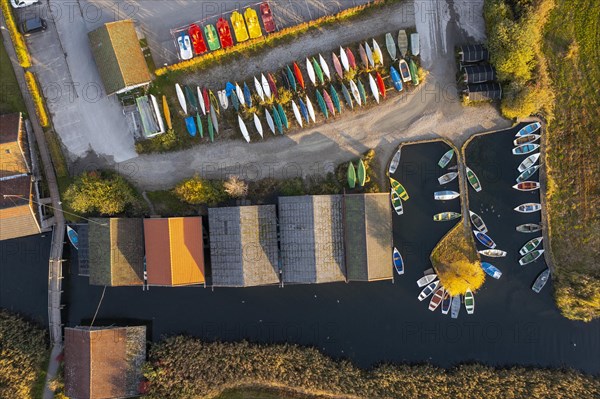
[[527, 173], [395, 162], [423, 281], [531, 257], [491, 270], [530, 138], [529, 207], [529, 228], [473, 180], [493, 253], [525, 149], [455, 307], [398, 262], [527, 186], [73, 237], [399, 188], [469, 301], [528, 162], [437, 298], [541, 281], [445, 195], [447, 178], [529, 129], [446, 303], [223, 99], [351, 175], [531, 245], [445, 216], [484, 239], [211, 129], [446, 158], [396, 202], [428, 290], [477, 222]]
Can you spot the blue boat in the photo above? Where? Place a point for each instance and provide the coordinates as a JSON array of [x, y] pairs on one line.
[[277, 120], [529, 129], [190, 126], [396, 78], [234, 101], [73, 237], [304, 110], [491, 270], [484, 239], [398, 262], [229, 88], [247, 96]]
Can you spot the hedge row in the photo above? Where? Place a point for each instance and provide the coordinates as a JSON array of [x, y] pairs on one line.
[[38, 100], [16, 36]]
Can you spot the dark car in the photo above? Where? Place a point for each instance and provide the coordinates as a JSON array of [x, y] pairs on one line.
[[33, 25]]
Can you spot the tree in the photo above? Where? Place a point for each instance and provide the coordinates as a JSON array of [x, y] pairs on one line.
[[197, 191], [236, 187], [102, 192]]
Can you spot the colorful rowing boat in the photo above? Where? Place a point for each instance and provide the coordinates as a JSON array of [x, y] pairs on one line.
[[181, 98], [478, 222], [270, 121], [399, 188], [377, 54], [531, 245], [527, 173], [525, 149], [297, 114], [404, 71], [484, 239], [446, 158], [491, 270], [531, 257], [396, 78], [398, 262], [529, 129], [445, 216], [211, 130], [396, 202], [473, 180]]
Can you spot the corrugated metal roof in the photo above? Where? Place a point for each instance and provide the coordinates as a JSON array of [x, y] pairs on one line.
[[474, 53], [479, 73], [484, 91]]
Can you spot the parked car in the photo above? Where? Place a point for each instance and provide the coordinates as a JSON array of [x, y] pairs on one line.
[[185, 47], [33, 25], [267, 17], [22, 3]]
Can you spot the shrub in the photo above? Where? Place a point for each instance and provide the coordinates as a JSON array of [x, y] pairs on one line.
[[197, 191], [38, 100], [520, 101], [15, 35], [236, 187], [165, 142], [292, 187]]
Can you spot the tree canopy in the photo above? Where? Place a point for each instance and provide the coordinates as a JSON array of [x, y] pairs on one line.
[[197, 191]]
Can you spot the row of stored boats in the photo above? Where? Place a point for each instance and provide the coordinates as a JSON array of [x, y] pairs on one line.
[[440, 298]]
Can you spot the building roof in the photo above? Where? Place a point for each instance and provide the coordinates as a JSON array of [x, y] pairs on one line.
[[174, 251], [14, 153], [479, 73], [118, 56], [243, 246], [116, 252], [103, 362], [312, 239], [368, 236], [484, 91], [473, 53]]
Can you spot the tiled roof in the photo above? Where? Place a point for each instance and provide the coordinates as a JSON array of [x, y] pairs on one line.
[[14, 153]]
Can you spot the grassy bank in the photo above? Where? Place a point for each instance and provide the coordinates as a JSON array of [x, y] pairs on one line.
[[10, 99]]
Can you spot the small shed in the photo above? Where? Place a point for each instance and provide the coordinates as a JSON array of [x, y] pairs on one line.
[[488, 91], [243, 246], [312, 239], [473, 53], [368, 237], [478, 73], [174, 251], [116, 252]]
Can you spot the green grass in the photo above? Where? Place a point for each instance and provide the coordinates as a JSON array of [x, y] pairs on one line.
[[252, 393], [37, 391], [10, 96], [166, 203]]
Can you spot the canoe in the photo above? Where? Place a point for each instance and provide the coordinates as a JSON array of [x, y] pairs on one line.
[[455, 307], [399, 188], [213, 101], [272, 85], [528, 162], [303, 110], [235, 101], [206, 98], [529, 228], [493, 253], [377, 54], [73, 237], [181, 98], [190, 125], [284, 119], [528, 208], [527, 186], [374, 88], [347, 96], [531, 257], [201, 100], [541, 281], [199, 123], [243, 128], [363, 55], [318, 71], [484, 239], [447, 178], [252, 22], [362, 173], [469, 299], [362, 91], [298, 75], [531, 245], [478, 222], [167, 112], [213, 118], [445, 216], [351, 175], [396, 202], [296, 111], [446, 303], [270, 121], [324, 67], [473, 180], [381, 85], [525, 149], [403, 42], [265, 86], [404, 71], [277, 119], [396, 78], [423, 281], [211, 37], [157, 114], [258, 126], [224, 33], [491, 270], [247, 95], [337, 66], [291, 79], [211, 130], [355, 92], [413, 72], [191, 99], [530, 138], [395, 161], [329, 102], [398, 262], [415, 47], [445, 195], [344, 59], [311, 110], [335, 98], [240, 94], [223, 99], [437, 298], [322, 106], [310, 69], [369, 55], [391, 46], [239, 27], [428, 290], [529, 129], [351, 58], [259, 89], [446, 158], [527, 173]]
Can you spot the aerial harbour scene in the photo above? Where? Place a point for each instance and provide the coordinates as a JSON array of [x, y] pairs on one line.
[[299, 199]]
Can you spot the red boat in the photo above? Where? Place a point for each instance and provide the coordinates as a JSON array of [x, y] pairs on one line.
[[197, 39], [224, 33], [272, 85], [351, 58], [380, 85], [267, 17], [206, 100], [298, 74]]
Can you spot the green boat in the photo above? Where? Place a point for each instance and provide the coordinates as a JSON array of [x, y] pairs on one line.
[[351, 176], [211, 130], [346, 94], [234, 101], [336, 99], [362, 173], [191, 99], [399, 188], [277, 120], [445, 159], [445, 216], [473, 180], [322, 105], [291, 78], [211, 37], [361, 90], [413, 72], [318, 70], [200, 129], [284, 118]]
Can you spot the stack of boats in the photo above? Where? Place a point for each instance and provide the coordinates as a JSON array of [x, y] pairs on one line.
[[440, 298], [355, 178]]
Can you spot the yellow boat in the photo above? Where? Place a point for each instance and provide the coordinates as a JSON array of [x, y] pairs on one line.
[[167, 112], [253, 24], [239, 27]]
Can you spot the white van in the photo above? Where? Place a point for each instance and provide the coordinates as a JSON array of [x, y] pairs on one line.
[[22, 3]]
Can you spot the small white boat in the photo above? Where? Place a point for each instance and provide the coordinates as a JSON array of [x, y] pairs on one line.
[[270, 121], [469, 301], [377, 53], [391, 46], [181, 98], [297, 113], [311, 72], [258, 125], [423, 281], [528, 162], [259, 89], [265, 86], [201, 101], [493, 253], [395, 162], [415, 47], [446, 195], [404, 70], [222, 99], [478, 222], [374, 88], [428, 290], [369, 55], [455, 307], [243, 128], [531, 257], [530, 138], [324, 67], [527, 173], [528, 208], [240, 94], [355, 92], [447, 178], [525, 149], [541, 281], [527, 186], [529, 129], [311, 110], [344, 59]]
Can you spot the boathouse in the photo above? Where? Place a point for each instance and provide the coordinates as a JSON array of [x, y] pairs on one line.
[[488, 91], [473, 53], [478, 73]]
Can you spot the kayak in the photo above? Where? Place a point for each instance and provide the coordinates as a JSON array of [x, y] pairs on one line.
[[206, 99], [277, 120], [324, 67], [377, 54], [338, 66], [240, 94], [351, 176], [311, 110], [363, 55], [190, 125], [344, 59], [270, 121], [272, 85], [235, 101], [310, 69], [347, 96], [329, 102], [283, 116], [362, 91], [303, 110], [296, 111], [336, 99], [374, 88], [213, 101], [259, 89], [181, 98], [201, 100], [381, 85], [369, 55], [211, 130], [396, 78], [243, 129], [213, 117], [321, 102], [167, 112], [265, 86], [351, 58], [191, 99], [258, 125], [247, 95], [318, 71], [355, 92], [291, 78], [298, 75], [362, 173], [199, 123]]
